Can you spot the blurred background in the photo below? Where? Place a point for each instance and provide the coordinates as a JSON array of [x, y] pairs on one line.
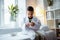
[[47, 11], [12, 13]]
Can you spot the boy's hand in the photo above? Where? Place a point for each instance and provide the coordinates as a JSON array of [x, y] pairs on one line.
[[32, 23], [27, 24]]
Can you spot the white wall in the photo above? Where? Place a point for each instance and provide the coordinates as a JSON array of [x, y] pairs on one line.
[[22, 11], [56, 4]]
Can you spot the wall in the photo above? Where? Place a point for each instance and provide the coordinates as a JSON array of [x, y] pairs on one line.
[[31, 3]]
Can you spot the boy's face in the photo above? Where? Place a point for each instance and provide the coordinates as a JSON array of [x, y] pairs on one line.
[[30, 14]]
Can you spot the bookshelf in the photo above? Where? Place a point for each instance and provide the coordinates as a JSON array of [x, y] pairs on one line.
[[53, 20]]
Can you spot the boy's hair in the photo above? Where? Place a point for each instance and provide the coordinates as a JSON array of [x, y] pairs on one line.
[[30, 8]]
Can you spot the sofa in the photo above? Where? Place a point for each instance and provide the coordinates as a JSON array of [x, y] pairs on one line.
[[47, 33]]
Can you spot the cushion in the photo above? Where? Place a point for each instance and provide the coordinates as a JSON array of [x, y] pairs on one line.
[[44, 28]]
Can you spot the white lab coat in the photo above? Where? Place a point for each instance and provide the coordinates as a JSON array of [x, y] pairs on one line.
[[35, 20], [30, 30]]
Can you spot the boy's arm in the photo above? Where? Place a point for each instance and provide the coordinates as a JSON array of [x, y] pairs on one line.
[[36, 26]]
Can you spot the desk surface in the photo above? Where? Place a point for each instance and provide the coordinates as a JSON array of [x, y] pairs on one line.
[[18, 36]]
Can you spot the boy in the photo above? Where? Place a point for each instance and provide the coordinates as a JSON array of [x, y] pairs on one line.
[[31, 23]]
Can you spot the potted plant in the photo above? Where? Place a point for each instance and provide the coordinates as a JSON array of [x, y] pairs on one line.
[[13, 11]]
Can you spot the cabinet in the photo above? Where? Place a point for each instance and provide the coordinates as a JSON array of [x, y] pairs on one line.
[[53, 17]]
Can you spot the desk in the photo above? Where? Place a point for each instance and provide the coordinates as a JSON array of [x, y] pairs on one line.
[[18, 36]]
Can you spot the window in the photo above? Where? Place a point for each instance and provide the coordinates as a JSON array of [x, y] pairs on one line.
[[5, 15], [6, 11]]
